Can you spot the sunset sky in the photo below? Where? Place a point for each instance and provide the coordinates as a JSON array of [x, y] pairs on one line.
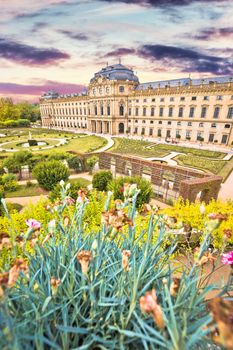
[[60, 44]]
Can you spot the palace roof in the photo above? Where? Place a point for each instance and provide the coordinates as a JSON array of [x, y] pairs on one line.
[[116, 72], [183, 82]]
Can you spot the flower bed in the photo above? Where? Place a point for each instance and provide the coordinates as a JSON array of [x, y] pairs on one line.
[[98, 291]]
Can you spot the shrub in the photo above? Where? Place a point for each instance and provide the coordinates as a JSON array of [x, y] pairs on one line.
[[101, 180], [32, 143], [75, 163], [9, 182], [48, 174], [116, 186], [91, 162], [73, 191], [59, 156], [14, 163]]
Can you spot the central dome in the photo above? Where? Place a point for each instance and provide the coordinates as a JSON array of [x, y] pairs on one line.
[[116, 72]]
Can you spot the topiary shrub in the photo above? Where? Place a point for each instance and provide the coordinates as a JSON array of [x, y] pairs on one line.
[[32, 143], [146, 191], [76, 164], [101, 180], [48, 174], [90, 162]]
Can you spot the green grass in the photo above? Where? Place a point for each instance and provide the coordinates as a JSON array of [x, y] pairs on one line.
[[84, 144], [36, 190], [150, 149], [193, 151], [16, 144], [81, 180], [26, 191], [137, 148], [207, 165], [79, 143], [227, 169]]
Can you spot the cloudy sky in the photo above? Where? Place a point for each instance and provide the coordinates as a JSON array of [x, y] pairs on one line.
[[60, 44]]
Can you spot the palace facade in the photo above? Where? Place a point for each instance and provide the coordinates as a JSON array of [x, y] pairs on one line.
[[116, 103]]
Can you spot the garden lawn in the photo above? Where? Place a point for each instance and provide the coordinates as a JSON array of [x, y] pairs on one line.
[[80, 180], [80, 143], [150, 149], [137, 148], [208, 165], [84, 144], [226, 170], [16, 144], [26, 191], [193, 151]]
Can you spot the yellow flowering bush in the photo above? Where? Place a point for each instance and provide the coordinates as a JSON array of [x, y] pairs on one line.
[[190, 213]]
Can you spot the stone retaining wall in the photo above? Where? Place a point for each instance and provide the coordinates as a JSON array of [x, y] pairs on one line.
[[167, 181]]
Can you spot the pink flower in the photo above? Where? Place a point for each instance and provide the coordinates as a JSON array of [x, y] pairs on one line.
[[227, 259], [69, 200], [32, 223]]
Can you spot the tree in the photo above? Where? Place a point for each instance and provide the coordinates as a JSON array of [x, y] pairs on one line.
[[48, 174], [15, 162], [101, 180], [8, 110], [28, 111]]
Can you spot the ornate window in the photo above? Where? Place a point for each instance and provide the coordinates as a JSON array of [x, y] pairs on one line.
[[170, 111], [121, 110], [230, 113], [181, 112], [216, 112], [191, 112], [203, 112]]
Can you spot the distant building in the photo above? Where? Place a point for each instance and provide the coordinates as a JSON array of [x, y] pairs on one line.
[[116, 103]]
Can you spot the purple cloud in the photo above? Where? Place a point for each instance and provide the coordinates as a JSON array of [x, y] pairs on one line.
[[77, 36], [213, 33], [186, 59], [164, 3], [120, 52], [27, 54], [31, 89]]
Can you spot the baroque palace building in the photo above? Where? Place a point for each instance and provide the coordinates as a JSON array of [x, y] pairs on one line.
[[116, 103]]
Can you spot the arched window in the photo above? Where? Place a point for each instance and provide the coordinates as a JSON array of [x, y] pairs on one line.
[[121, 128], [108, 110], [102, 110], [96, 111], [121, 89], [121, 111]]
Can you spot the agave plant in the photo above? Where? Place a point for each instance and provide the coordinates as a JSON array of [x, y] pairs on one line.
[[95, 292]]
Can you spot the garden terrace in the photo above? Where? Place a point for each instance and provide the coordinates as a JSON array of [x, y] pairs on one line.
[[204, 160], [168, 182], [150, 149]]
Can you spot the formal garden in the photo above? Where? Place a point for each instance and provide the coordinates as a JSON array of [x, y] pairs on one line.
[[204, 160], [104, 269], [47, 141]]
